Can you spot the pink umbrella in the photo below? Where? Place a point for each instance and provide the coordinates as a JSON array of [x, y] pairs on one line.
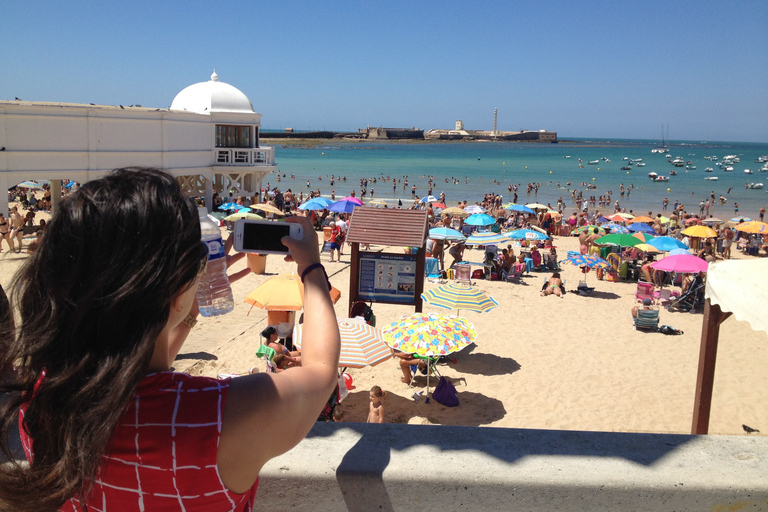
[[682, 264], [353, 200]]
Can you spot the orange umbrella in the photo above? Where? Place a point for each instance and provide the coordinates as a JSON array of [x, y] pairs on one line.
[[753, 226], [641, 218], [645, 237], [284, 292], [700, 232]]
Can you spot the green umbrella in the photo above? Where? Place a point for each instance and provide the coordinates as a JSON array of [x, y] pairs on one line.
[[618, 239]]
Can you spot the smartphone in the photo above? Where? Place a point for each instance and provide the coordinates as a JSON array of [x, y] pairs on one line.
[[263, 236]]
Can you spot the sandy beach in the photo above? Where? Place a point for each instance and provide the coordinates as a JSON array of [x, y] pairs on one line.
[[538, 362]]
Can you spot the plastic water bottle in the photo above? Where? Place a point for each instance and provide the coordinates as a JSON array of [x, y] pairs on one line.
[[214, 295]]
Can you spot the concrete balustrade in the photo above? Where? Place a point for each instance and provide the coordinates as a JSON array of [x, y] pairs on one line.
[[359, 467]]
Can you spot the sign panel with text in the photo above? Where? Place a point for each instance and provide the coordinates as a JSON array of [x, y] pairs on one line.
[[387, 278]]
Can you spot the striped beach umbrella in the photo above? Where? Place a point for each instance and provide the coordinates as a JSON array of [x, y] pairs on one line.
[[643, 237], [616, 228], [486, 238], [590, 229], [459, 296], [473, 208], [361, 344]]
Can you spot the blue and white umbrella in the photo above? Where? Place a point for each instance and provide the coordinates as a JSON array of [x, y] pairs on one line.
[[480, 219], [446, 234], [430, 199], [30, 184], [317, 203], [231, 206], [525, 234], [473, 208], [488, 238], [616, 228]]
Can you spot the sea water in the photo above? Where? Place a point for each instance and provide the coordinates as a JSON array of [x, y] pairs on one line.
[[473, 169]]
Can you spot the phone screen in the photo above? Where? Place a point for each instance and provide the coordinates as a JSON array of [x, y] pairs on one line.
[[265, 237]]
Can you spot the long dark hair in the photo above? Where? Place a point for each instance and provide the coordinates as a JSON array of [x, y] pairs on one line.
[[92, 301]]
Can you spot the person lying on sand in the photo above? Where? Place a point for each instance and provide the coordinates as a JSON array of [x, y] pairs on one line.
[[554, 285]]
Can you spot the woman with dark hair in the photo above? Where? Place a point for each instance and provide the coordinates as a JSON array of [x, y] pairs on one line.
[[105, 304]]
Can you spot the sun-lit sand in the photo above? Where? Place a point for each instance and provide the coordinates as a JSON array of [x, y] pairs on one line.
[[538, 362]]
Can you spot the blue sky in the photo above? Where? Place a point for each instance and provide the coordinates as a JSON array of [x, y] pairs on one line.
[[583, 69]]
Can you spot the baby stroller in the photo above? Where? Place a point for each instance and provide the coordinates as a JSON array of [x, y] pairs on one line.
[[692, 301], [360, 308]]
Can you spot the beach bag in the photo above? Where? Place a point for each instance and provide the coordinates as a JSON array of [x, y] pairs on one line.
[[445, 393], [478, 274], [671, 331]]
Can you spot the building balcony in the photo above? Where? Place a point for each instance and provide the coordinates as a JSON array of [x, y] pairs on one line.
[[262, 156]]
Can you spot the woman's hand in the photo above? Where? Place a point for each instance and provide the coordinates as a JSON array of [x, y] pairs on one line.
[[234, 258], [304, 252]]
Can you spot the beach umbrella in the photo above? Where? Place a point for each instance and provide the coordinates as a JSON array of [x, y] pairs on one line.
[[487, 238], [676, 252], [537, 206], [712, 220], [284, 292], [267, 208], [682, 264], [641, 228], [480, 219], [753, 226], [739, 220], [361, 344], [641, 218], [586, 261], [664, 220], [438, 205], [667, 243], [343, 206], [446, 234], [231, 206], [590, 229], [429, 335], [525, 234], [243, 215], [473, 208], [31, 185], [647, 248], [429, 199], [643, 237], [619, 217], [460, 296], [316, 203], [378, 201], [518, 208], [618, 239], [353, 199], [605, 219], [700, 232], [616, 228], [455, 211]]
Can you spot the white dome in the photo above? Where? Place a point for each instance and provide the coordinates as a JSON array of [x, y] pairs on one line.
[[212, 96]]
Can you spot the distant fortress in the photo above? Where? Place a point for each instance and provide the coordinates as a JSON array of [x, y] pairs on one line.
[[458, 133]]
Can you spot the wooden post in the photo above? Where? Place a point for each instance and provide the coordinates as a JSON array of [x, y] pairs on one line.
[[419, 282], [354, 275], [710, 332]]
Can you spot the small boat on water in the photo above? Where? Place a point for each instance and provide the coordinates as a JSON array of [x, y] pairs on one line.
[[593, 162], [711, 178], [673, 173], [754, 186], [728, 169], [567, 156], [747, 171], [640, 164], [661, 178], [626, 168], [690, 167], [709, 169]]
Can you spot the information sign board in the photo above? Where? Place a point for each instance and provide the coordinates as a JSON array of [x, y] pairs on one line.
[[387, 278]]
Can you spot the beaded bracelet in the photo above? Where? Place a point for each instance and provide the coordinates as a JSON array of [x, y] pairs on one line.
[[313, 267]]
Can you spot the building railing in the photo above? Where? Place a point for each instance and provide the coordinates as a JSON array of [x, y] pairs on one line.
[[264, 155]]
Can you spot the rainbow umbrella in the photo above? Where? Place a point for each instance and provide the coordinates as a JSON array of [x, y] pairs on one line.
[[361, 344], [588, 261], [460, 296], [753, 226], [429, 335], [617, 228]]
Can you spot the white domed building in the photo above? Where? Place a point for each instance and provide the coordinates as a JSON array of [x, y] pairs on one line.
[[208, 139]]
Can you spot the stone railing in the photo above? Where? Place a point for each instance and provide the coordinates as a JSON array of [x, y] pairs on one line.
[[359, 467]]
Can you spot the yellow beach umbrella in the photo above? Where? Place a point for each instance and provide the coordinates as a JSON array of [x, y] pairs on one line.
[[455, 211], [537, 206], [754, 226], [700, 232], [647, 248], [268, 208], [243, 215], [284, 292]]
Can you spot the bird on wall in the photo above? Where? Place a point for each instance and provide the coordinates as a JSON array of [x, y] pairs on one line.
[[122, 107], [18, 99], [748, 429]]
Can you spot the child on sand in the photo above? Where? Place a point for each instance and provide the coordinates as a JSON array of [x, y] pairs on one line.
[[375, 409]]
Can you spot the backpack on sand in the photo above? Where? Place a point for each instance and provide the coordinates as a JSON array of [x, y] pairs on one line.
[[445, 393]]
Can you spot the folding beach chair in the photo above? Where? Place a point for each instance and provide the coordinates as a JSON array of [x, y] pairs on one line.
[[645, 291], [267, 353], [430, 366], [647, 320], [432, 270]]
